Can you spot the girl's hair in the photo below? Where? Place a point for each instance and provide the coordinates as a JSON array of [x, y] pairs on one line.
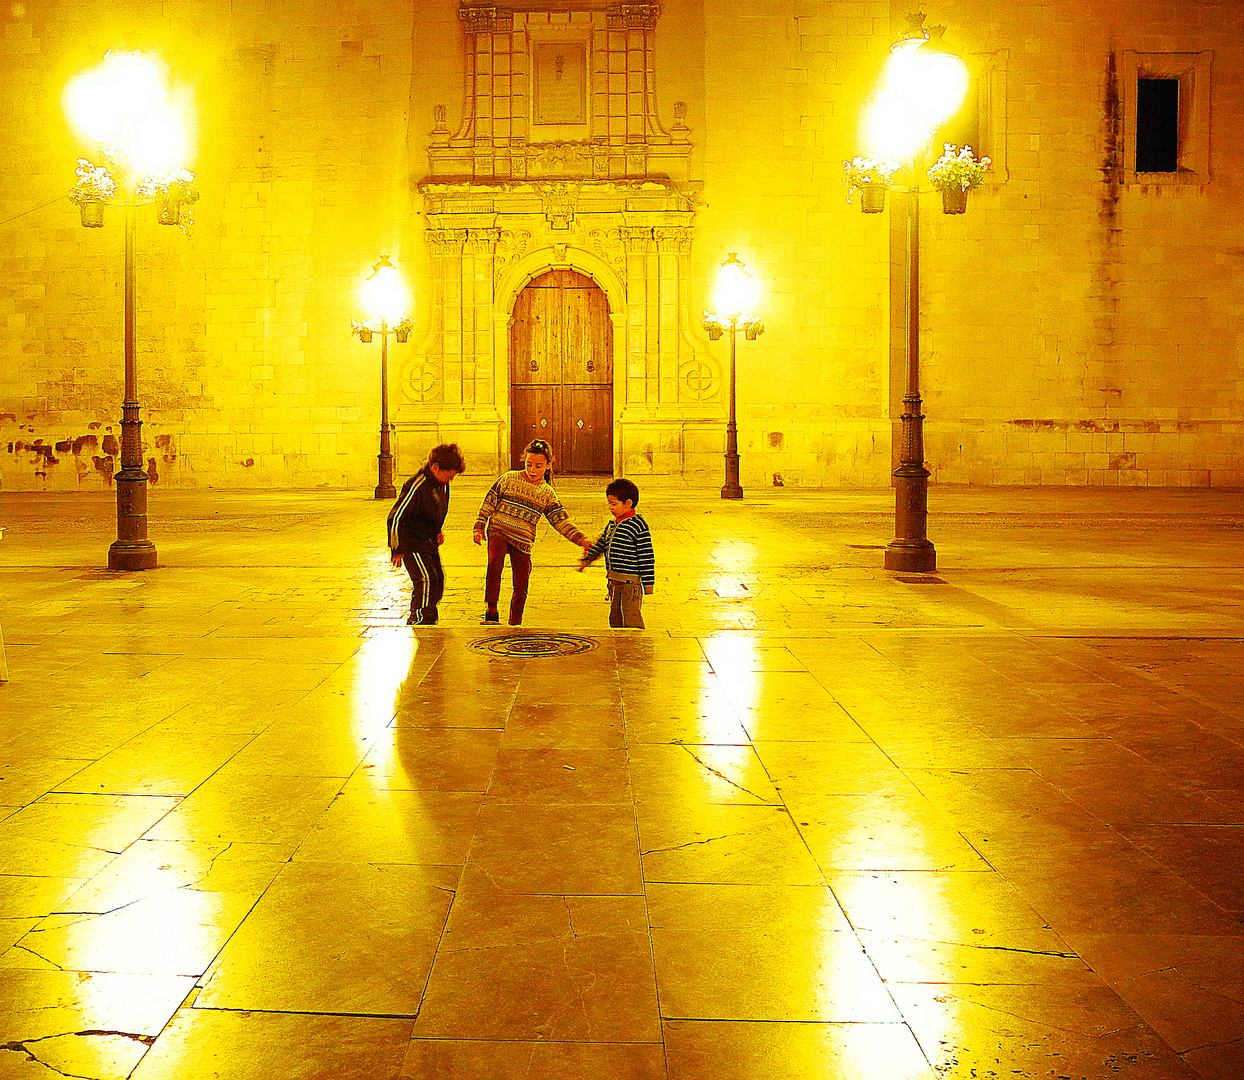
[[539, 446], [447, 456]]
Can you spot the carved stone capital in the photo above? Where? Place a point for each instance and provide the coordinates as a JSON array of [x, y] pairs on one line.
[[676, 240], [633, 16], [446, 241], [481, 241], [479, 18], [636, 238]]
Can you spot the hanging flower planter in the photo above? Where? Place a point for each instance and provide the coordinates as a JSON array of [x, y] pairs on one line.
[[872, 198], [365, 335], [169, 211], [870, 177], [94, 189], [956, 173], [174, 195], [401, 330], [92, 211], [954, 201]]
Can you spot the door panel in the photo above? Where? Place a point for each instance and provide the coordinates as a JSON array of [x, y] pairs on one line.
[[586, 420], [532, 413], [561, 371]]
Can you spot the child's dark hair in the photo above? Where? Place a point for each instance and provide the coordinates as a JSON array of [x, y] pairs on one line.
[[447, 456], [623, 490]]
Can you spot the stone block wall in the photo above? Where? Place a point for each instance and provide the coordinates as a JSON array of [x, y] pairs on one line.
[[248, 375], [1080, 324]]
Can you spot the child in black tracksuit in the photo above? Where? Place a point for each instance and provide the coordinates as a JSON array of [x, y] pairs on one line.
[[629, 563], [415, 535]]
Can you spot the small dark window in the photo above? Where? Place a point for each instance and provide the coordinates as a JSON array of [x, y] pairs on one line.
[[1157, 125]]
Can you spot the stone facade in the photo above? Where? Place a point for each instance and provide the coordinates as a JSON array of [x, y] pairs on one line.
[[1080, 323]]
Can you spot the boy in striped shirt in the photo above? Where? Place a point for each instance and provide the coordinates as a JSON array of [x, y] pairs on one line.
[[629, 563]]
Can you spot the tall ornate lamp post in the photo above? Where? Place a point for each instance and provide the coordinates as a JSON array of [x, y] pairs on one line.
[[385, 301], [122, 107], [734, 301], [923, 87]]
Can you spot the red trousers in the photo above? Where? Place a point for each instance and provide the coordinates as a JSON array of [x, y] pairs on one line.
[[520, 569]]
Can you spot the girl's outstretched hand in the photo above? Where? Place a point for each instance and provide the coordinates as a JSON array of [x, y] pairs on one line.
[[479, 537]]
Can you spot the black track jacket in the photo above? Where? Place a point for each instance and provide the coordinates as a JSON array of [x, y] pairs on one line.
[[419, 513]]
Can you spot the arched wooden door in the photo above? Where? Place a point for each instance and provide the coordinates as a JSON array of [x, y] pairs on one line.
[[561, 373]]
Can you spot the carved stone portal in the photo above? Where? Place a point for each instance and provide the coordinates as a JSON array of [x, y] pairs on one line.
[[560, 160]]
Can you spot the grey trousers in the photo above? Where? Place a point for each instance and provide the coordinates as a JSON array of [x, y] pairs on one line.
[[626, 594]]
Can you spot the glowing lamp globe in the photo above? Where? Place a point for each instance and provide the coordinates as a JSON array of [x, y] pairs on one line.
[[123, 106], [736, 291], [384, 295], [924, 86]]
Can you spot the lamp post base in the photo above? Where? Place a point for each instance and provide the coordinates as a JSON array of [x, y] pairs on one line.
[[132, 555], [911, 556], [384, 479], [732, 489]]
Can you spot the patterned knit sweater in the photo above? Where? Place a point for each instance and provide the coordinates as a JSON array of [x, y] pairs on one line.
[[627, 547], [514, 506]]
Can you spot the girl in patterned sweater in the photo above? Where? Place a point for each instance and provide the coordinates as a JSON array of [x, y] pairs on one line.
[[508, 518]]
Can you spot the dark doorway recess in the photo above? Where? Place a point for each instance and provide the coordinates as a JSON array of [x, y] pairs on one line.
[[561, 373], [1157, 125]]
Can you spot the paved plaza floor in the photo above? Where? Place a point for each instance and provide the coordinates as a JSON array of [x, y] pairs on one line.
[[817, 822]]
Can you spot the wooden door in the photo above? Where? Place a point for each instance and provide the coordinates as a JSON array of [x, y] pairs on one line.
[[561, 373]]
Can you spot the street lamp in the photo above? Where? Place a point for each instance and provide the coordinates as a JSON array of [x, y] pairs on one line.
[[734, 303], [385, 301], [924, 85], [123, 108]]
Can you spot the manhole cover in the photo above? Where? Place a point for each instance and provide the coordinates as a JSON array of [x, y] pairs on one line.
[[534, 644]]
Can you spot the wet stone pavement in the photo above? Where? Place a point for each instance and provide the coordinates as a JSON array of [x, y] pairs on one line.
[[817, 822]]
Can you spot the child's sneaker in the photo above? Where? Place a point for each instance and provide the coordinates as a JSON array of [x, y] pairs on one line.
[[492, 616]]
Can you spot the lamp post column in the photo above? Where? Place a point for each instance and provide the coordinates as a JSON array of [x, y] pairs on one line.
[[911, 550], [384, 460], [131, 550], [733, 488]]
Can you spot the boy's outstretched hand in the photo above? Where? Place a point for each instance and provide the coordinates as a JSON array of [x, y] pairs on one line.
[[478, 537], [395, 558]]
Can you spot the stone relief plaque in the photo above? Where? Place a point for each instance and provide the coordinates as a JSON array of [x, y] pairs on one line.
[[561, 83]]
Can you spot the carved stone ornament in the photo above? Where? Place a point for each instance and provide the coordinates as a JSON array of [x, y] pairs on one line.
[[697, 381], [559, 199], [607, 243], [511, 246], [576, 157], [420, 382], [559, 254]]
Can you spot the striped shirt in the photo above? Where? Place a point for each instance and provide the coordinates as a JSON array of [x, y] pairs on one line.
[[514, 506], [626, 544]]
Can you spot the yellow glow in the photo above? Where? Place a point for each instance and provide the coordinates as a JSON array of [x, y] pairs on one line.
[[922, 89], [736, 291], [384, 295], [123, 106]]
